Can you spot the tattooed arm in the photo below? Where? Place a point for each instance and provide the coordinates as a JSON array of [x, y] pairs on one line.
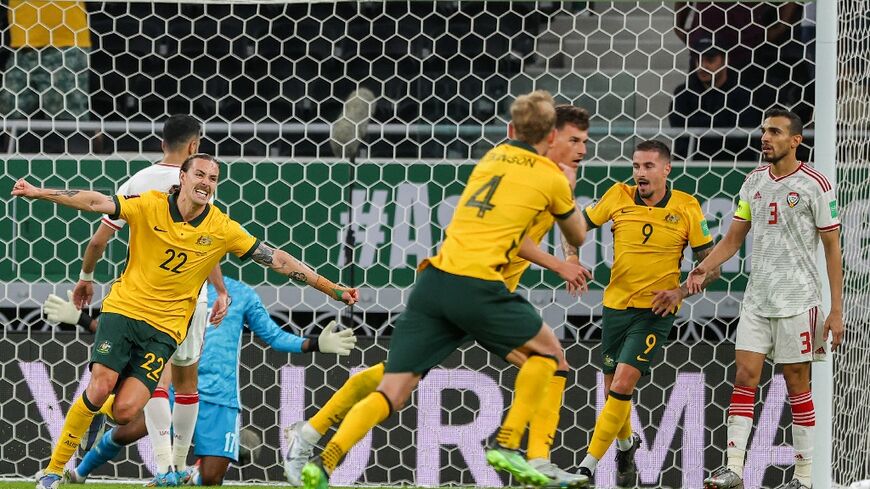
[[281, 262], [710, 277], [83, 200], [572, 253]]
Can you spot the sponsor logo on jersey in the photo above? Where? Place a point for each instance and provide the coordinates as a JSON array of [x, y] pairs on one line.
[[104, 348], [757, 195], [672, 218], [793, 198], [833, 206], [204, 240]]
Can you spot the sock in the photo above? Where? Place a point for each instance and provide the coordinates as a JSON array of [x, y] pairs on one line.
[[183, 426], [357, 387], [545, 421], [76, 423], [803, 423], [360, 419], [158, 420], [623, 436], [104, 451], [610, 421], [529, 389], [107, 407], [740, 415]]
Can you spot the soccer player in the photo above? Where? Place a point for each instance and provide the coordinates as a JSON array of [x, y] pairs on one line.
[[460, 293], [567, 150], [791, 207], [219, 415], [181, 138], [652, 225], [176, 240]]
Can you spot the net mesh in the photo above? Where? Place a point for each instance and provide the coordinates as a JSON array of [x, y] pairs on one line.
[[268, 80], [853, 172]]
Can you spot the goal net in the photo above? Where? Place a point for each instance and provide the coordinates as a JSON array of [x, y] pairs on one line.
[[268, 80]]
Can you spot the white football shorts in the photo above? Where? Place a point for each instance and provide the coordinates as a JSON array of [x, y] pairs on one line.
[[794, 339]]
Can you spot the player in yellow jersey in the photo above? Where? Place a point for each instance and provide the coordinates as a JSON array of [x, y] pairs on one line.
[[176, 239], [461, 293], [567, 150], [652, 225]]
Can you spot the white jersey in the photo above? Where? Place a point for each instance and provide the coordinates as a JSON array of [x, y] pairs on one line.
[[160, 177], [787, 215]]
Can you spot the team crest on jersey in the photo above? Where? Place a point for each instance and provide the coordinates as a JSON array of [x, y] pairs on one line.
[[757, 195], [672, 218], [104, 348], [793, 198], [204, 240]]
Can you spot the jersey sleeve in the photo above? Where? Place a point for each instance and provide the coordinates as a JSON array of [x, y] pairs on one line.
[[743, 211], [130, 208], [825, 212], [562, 205], [597, 213], [239, 242], [259, 321], [699, 232], [119, 223]]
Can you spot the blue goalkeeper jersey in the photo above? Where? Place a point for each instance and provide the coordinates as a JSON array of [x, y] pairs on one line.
[[219, 364]]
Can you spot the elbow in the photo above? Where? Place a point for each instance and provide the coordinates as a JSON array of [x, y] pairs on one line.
[[577, 239]]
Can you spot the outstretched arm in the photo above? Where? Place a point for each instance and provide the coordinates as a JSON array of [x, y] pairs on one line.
[[666, 301], [571, 272], [281, 262], [83, 200], [721, 253]]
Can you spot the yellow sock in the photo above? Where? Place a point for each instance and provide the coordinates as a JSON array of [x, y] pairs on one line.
[[107, 407], [610, 422], [357, 387], [529, 390], [74, 426], [625, 432], [362, 417], [545, 422]]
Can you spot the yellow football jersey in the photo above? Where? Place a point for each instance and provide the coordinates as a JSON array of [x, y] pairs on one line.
[[168, 259], [506, 191], [648, 242], [513, 272]]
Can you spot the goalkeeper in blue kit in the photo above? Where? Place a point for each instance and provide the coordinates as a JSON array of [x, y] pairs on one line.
[[217, 425]]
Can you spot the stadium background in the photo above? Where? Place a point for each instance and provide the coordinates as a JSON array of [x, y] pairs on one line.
[[269, 79]]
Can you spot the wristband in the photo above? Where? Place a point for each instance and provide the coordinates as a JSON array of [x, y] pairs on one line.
[[314, 344], [87, 277], [85, 320]]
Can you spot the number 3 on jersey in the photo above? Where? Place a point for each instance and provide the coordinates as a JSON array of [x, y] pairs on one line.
[[484, 204]]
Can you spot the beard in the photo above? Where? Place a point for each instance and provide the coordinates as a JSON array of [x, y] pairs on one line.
[[774, 157]]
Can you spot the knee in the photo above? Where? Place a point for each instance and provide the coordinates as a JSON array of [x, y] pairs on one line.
[[622, 386], [747, 376], [99, 389], [125, 411], [797, 378], [184, 379]]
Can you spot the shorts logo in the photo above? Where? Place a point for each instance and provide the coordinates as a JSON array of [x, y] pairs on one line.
[[204, 240], [104, 348], [793, 199], [641, 359], [609, 361], [820, 350]]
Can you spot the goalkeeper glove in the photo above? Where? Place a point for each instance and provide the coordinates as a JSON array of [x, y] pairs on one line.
[[58, 310], [329, 341]]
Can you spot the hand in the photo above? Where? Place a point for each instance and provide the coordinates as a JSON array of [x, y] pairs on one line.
[[695, 280], [575, 276], [349, 295], [23, 188], [219, 309], [834, 325], [570, 171], [666, 301], [83, 293], [58, 310], [341, 342]]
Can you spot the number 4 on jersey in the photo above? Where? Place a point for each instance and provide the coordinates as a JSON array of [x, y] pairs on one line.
[[487, 190]]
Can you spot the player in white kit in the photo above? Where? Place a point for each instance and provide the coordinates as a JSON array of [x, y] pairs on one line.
[[181, 137], [791, 207]]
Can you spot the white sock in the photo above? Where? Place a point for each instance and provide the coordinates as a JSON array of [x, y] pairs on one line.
[[624, 445], [590, 463], [310, 434], [802, 441], [738, 437], [158, 420], [183, 425]]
